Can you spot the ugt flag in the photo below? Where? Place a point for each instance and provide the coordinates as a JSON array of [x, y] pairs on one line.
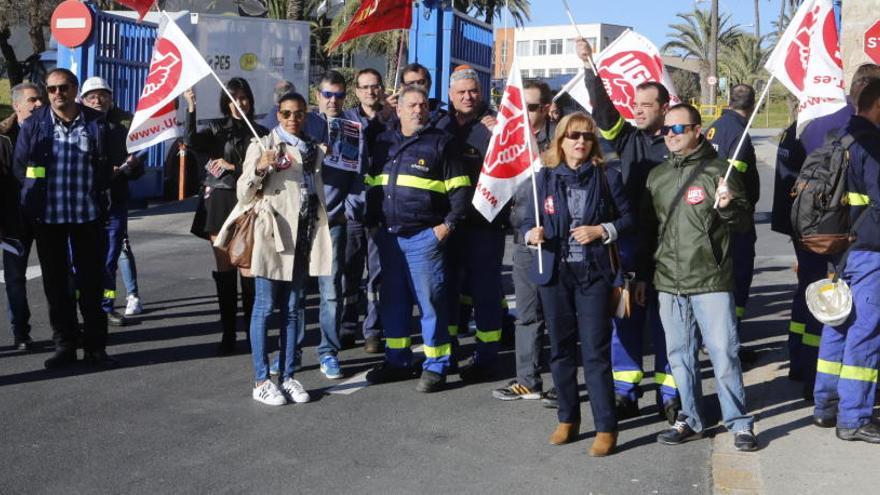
[[141, 6], [807, 61], [628, 61], [375, 16], [512, 151], [175, 67]]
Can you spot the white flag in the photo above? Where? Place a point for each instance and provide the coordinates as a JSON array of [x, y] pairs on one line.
[[175, 67], [807, 61], [512, 152], [628, 61]]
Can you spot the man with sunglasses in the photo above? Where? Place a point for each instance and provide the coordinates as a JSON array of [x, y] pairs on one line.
[[417, 75], [26, 97], [360, 248], [338, 185], [640, 148], [685, 254], [63, 160]]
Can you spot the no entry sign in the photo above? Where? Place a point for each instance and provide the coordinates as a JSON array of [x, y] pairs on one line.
[[71, 23]]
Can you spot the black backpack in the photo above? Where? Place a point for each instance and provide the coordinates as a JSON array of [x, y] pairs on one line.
[[820, 217]]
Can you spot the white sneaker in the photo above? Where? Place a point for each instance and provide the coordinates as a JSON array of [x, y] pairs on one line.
[[268, 393], [133, 305], [295, 391]]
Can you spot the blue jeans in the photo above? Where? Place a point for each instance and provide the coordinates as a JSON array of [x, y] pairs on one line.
[[128, 268], [115, 230], [267, 292], [715, 314], [15, 278], [413, 272], [330, 287]]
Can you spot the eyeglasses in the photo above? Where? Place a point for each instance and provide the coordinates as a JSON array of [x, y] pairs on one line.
[[286, 114], [416, 82], [333, 94], [96, 96], [59, 88], [533, 107], [676, 129], [371, 87], [575, 135]]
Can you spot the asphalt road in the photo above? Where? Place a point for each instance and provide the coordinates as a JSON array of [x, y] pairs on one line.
[[178, 419]]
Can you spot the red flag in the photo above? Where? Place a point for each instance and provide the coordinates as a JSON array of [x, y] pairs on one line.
[[375, 16], [141, 6]]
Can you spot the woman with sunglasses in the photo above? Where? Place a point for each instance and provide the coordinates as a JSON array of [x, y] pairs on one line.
[[291, 239], [582, 209], [224, 142]]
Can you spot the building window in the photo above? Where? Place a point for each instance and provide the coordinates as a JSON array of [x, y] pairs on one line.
[[539, 73], [555, 47], [571, 70], [555, 72], [522, 48], [504, 52], [570, 46], [540, 48], [524, 74]]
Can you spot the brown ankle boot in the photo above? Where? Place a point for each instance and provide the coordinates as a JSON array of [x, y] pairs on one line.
[[604, 444], [565, 433]]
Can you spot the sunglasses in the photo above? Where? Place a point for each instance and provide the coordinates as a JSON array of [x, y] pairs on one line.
[[286, 114], [59, 88], [676, 129], [417, 82], [575, 135], [332, 94], [371, 87], [533, 107]]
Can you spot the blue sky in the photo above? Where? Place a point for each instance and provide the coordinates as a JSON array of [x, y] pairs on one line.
[[649, 17]]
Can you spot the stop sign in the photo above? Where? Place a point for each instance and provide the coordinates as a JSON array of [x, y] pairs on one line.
[[872, 42], [71, 23]]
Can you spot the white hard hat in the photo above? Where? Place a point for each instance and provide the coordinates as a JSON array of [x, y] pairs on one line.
[[830, 302], [95, 83]]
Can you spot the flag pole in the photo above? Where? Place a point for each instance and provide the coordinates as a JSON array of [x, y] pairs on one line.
[[578, 31], [231, 99], [745, 133], [528, 129]]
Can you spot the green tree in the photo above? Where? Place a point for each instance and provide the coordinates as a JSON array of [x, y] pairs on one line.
[[690, 39], [490, 10], [744, 60]]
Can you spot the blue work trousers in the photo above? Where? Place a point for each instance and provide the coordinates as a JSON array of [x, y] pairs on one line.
[[742, 249], [804, 331]]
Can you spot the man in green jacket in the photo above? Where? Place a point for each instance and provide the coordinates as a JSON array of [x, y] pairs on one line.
[[693, 272]]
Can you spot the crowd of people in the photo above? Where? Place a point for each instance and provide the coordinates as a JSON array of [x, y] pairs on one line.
[[661, 219]]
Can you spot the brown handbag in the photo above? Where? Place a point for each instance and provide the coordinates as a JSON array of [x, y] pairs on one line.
[[241, 243]]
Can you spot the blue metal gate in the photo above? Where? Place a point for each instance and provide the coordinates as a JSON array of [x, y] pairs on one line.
[[119, 50], [442, 38]]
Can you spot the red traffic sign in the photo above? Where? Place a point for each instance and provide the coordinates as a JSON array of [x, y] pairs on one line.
[[872, 42], [71, 23]]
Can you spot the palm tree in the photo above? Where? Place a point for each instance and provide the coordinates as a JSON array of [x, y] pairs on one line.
[[744, 60], [690, 39], [492, 9]]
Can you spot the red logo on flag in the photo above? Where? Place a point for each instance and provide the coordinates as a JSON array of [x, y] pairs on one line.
[[549, 207], [695, 195], [375, 16], [510, 155], [622, 72], [165, 70], [799, 50]]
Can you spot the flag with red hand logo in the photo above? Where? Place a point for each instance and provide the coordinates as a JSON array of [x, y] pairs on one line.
[[375, 16], [141, 6], [512, 152], [807, 61], [175, 67]]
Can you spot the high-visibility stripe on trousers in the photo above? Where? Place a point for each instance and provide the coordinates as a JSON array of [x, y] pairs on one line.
[[413, 273], [846, 378]]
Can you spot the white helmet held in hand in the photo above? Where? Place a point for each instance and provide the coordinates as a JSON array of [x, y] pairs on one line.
[[830, 302]]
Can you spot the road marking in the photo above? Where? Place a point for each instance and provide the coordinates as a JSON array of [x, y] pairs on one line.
[[351, 385], [31, 273]]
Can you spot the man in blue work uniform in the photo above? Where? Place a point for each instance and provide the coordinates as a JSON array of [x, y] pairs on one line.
[[724, 135], [417, 195], [640, 148], [812, 266], [361, 248], [338, 184], [849, 354], [476, 250]]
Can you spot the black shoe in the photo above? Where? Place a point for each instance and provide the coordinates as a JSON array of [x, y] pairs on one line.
[[670, 410], [431, 382], [747, 356], [679, 433], [385, 373], [745, 441], [346, 340], [100, 359], [116, 319], [866, 433], [549, 399], [61, 359], [473, 373], [624, 408], [825, 422], [373, 345], [25, 344]]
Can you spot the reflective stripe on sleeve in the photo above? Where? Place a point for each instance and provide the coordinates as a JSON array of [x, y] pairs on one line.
[[858, 199], [35, 173], [739, 165], [612, 133], [460, 181]]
